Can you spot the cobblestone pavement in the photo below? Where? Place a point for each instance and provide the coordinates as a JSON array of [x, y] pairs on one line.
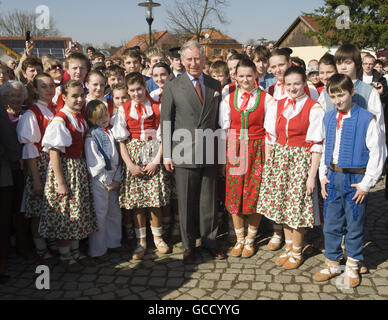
[[164, 277]]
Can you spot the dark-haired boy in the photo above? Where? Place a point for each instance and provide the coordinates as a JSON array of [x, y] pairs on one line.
[[354, 154]]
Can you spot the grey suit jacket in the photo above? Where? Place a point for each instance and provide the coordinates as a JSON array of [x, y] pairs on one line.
[[188, 127]]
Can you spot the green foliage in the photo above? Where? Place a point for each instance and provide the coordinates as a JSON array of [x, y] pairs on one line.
[[368, 26]]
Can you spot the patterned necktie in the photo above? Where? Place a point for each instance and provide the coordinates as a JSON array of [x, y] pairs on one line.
[[198, 88], [245, 100], [339, 119]]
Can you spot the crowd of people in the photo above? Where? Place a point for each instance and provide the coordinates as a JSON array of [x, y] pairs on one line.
[[94, 152]]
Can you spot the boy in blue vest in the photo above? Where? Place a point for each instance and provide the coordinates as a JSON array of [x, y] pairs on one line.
[[353, 159]]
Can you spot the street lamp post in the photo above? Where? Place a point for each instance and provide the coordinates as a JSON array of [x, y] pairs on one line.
[[149, 4]]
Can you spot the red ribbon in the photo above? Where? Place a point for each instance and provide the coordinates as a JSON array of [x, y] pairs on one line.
[[291, 102], [339, 119], [140, 109], [246, 96], [280, 84]]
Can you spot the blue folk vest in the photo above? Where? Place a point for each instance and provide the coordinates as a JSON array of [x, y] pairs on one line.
[[353, 151], [362, 93]]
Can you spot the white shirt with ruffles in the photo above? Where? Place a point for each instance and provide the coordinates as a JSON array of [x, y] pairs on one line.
[[224, 119], [120, 128], [315, 132], [96, 162], [28, 130], [57, 135], [375, 142]]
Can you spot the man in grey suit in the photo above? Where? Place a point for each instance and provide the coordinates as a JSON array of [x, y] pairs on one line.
[[189, 107]]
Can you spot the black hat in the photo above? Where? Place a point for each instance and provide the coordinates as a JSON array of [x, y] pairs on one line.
[[175, 52]]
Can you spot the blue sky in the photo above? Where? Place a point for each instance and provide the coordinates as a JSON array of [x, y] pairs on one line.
[[116, 21]]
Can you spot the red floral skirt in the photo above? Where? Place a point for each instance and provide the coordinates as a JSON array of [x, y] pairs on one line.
[[244, 166]]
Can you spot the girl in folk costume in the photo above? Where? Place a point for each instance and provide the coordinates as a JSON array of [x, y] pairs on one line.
[[68, 213], [279, 62], [293, 150], [161, 74], [95, 83], [102, 159], [242, 113], [232, 64], [326, 69], [119, 97], [31, 129], [144, 185]]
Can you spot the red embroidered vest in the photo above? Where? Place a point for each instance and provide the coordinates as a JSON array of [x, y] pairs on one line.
[[76, 149], [42, 123], [297, 126], [151, 123], [253, 120]]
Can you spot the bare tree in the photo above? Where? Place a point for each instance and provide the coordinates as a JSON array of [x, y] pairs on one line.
[[17, 22], [192, 17]]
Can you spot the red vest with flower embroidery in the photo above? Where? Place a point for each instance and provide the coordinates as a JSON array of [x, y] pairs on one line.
[[110, 107], [42, 122], [255, 123], [150, 123], [297, 126], [76, 149]]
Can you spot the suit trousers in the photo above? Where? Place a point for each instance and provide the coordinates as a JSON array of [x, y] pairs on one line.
[[197, 196]]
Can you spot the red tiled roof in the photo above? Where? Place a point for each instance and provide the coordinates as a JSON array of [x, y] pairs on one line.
[[142, 41]]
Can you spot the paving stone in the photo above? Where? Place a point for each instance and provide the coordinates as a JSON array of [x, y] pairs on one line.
[[212, 276], [289, 296], [147, 294], [302, 279], [265, 278], [235, 292], [270, 294], [106, 296], [383, 290], [156, 282], [329, 288], [282, 279], [218, 293], [275, 287], [192, 283], [123, 293], [229, 276], [105, 279], [139, 280], [224, 284], [206, 284], [246, 277], [241, 285], [172, 295], [250, 294], [259, 286], [87, 278], [197, 293], [361, 290], [185, 297], [377, 281], [131, 297], [311, 288], [69, 295], [92, 292], [292, 288], [310, 296], [325, 296], [174, 282]]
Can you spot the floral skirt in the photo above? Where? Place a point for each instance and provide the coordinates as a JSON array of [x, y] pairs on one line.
[[33, 202], [143, 191], [243, 176], [283, 194], [70, 216]]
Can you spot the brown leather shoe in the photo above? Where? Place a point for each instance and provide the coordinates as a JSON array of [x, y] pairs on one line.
[[189, 256]]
